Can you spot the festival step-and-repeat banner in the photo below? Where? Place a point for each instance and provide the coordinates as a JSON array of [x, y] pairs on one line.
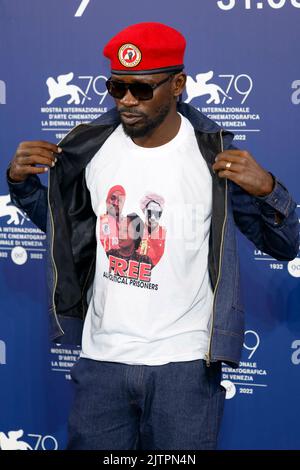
[[242, 62]]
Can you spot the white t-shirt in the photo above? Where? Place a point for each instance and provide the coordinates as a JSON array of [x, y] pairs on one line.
[[151, 299]]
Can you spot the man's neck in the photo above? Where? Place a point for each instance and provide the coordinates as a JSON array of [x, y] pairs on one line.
[[165, 132]]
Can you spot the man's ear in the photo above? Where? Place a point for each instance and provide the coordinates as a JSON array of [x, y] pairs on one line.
[[179, 83]]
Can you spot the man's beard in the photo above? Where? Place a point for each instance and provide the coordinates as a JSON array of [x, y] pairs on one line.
[[148, 124]]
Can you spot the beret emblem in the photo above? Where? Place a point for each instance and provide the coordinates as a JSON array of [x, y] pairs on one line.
[[129, 55]]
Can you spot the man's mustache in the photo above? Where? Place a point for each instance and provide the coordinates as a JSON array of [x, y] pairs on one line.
[[133, 111]]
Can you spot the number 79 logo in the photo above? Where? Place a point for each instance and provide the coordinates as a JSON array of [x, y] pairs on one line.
[[82, 7], [251, 342]]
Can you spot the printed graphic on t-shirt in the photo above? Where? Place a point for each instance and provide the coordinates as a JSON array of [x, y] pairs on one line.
[[133, 245]]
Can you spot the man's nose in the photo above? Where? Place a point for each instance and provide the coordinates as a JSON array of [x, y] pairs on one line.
[[128, 99]]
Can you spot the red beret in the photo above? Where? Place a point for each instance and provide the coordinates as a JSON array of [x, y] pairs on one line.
[[146, 48], [115, 189]]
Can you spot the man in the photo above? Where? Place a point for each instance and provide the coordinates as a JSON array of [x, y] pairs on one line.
[[125, 260], [150, 368], [153, 242], [109, 222]]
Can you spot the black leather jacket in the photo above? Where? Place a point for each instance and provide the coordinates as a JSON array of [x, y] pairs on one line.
[[70, 224]]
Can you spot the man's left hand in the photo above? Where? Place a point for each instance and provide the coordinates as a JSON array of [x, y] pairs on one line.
[[241, 168]]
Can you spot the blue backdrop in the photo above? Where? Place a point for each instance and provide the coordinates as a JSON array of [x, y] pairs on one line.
[[242, 60]]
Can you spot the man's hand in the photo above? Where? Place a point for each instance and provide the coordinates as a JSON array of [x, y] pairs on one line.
[[30, 154], [241, 168]]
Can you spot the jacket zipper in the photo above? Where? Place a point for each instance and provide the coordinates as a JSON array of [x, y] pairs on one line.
[[208, 354], [83, 290], [52, 261], [52, 244]]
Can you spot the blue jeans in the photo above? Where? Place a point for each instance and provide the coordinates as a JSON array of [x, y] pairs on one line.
[[137, 407]]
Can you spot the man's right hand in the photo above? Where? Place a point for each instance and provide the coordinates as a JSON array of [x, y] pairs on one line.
[[28, 155]]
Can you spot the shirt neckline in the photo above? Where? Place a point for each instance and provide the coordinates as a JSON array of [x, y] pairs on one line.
[[165, 148]]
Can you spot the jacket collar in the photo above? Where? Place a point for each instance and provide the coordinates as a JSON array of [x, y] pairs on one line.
[[198, 120]]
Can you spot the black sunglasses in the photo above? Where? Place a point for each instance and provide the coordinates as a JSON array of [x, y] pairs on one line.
[[156, 214], [141, 91]]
